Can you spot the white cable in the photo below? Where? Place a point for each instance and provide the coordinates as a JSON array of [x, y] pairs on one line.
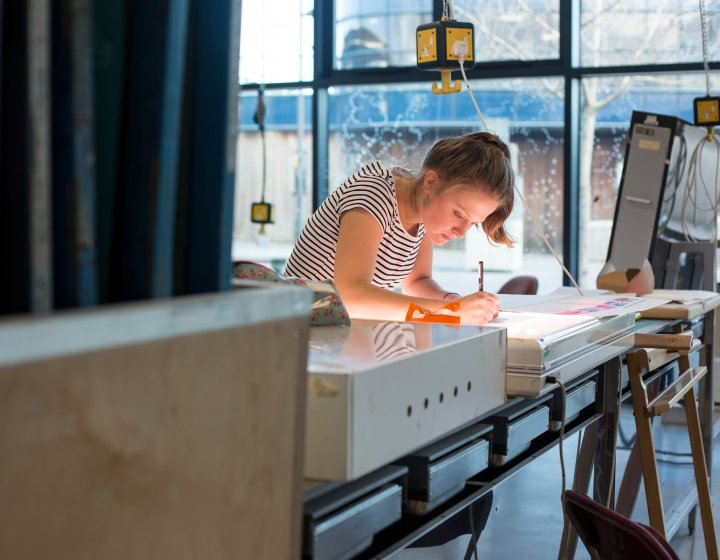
[[703, 31], [563, 392], [448, 11], [539, 230], [695, 184], [695, 180], [533, 219], [467, 84]]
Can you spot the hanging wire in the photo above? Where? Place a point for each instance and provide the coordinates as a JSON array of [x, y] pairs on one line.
[[448, 12], [703, 30], [533, 219], [693, 206], [697, 186], [260, 120], [467, 84]]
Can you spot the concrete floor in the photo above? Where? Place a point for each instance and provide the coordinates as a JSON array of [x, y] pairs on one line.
[[526, 518]]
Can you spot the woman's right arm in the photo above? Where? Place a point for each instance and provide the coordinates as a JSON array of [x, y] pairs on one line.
[[355, 257]]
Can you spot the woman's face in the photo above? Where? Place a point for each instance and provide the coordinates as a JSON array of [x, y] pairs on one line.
[[449, 214]]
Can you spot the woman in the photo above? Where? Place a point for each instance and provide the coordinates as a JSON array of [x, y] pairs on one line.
[[377, 230]]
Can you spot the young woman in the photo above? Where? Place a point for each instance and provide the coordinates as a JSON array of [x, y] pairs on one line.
[[377, 230]]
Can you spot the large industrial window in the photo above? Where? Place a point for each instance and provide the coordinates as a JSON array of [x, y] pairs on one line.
[[646, 32], [276, 169], [397, 123], [513, 30], [377, 33], [607, 105], [557, 80], [276, 42]]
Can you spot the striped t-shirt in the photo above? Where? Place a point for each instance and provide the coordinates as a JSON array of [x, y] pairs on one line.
[[372, 188]]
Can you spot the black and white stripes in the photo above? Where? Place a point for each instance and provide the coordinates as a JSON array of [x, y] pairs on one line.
[[372, 188]]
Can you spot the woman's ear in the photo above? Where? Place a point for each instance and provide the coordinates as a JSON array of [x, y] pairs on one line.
[[430, 178]]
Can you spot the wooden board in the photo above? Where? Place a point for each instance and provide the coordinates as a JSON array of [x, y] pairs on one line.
[[184, 448], [689, 310]]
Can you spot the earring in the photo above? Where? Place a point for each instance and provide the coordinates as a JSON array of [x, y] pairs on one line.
[[426, 199]]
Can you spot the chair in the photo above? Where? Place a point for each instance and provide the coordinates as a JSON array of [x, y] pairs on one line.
[[609, 535], [526, 285]]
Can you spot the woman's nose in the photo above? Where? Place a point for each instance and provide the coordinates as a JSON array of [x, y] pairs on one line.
[[460, 231]]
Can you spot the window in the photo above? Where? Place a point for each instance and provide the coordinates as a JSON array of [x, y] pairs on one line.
[[288, 161], [374, 103], [646, 32], [276, 42], [397, 123], [607, 107], [377, 33], [512, 30]]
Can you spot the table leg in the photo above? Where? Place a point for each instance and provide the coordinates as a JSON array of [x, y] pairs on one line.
[[604, 465]]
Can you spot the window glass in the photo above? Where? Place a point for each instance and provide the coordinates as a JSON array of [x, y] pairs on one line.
[[377, 33], [512, 29], [607, 106], [398, 123], [646, 32], [288, 158], [276, 42]]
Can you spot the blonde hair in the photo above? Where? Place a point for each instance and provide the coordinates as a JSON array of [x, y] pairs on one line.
[[479, 160]]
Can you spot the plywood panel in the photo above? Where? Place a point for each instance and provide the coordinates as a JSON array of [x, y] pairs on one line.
[[185, 448]]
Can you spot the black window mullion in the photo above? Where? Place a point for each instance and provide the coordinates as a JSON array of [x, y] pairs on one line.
[[323, 26], [570, 59]]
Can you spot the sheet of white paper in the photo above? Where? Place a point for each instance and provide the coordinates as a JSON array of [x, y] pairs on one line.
[[590, 306], [682, 296], [572, 291], [540, 326]]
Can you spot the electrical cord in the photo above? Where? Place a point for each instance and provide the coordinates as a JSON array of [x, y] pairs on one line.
[[259, 119], [695, 185], [703, 31], [627, 442], [448, 12], [473, 536], [563, 392], [461, 59]]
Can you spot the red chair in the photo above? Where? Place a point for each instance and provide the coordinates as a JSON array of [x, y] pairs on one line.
[[526, 285], [609, 535]]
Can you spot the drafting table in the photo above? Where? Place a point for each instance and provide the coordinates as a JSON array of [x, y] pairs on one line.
[[395, 475], [698, 316], [564, 353], [379, 390]]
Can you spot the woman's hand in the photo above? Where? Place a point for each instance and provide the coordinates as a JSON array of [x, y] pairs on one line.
[[478, 308]]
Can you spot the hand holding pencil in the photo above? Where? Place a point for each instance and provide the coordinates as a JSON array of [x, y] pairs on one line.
[[481, 307]]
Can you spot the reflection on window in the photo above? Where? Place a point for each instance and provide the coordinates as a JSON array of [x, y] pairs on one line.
[[288, 139], [607, 107], [512, 30], [641, 32], [377, 33], [276, 42], [398, 123]]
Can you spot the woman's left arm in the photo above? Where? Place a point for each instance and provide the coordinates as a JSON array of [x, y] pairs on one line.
[[420, 282]]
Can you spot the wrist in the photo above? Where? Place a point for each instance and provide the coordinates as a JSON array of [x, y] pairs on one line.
[[451, 295]]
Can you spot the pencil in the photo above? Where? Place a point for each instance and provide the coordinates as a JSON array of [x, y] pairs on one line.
[[481, 274]]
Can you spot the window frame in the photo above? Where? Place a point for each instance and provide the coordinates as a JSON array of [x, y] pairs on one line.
[[566, 66]]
